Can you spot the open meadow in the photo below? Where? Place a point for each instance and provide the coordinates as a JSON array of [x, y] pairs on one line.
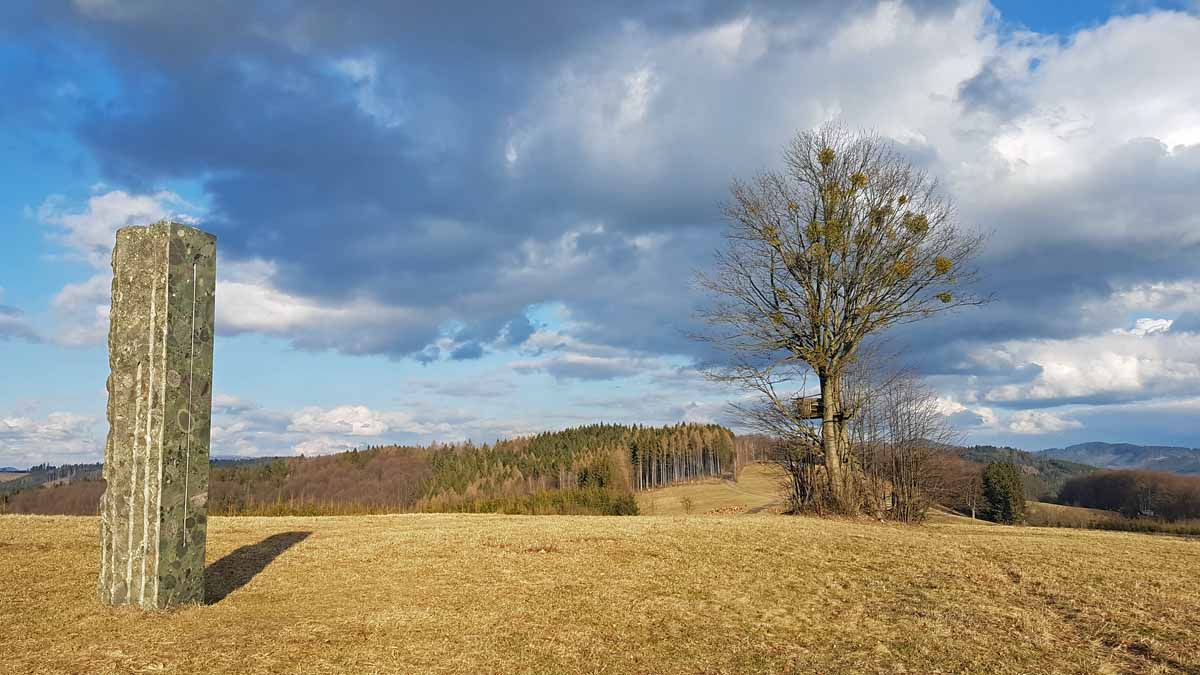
[[662, 594]]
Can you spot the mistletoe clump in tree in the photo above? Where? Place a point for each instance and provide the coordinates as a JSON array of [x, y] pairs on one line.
[[847, 240]]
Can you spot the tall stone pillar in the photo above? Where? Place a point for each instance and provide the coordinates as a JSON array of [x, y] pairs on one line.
[[160, 342]]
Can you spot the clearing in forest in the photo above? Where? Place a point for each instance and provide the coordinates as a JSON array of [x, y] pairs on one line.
[[757, 490]]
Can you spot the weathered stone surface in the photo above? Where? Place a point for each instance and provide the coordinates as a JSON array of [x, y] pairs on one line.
[[160, 342]]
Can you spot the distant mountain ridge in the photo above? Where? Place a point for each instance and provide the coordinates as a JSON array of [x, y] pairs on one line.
[[1130, 456], [1043, 475]]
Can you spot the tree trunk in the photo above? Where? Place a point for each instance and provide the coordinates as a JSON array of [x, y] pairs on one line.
[[833, 440], [829, 435]]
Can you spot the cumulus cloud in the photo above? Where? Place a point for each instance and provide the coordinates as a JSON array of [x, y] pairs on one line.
[[1098, 369], [88, 234], [250, 301], [348, 420], [1040, 422], [1145, 326]]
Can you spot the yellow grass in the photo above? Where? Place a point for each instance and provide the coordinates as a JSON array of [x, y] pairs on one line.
[[6, 476], [756, 491], [652, 594]]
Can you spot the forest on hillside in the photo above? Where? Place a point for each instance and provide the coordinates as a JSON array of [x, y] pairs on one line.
[[592, 469], [1136, 494], [1043, 476]]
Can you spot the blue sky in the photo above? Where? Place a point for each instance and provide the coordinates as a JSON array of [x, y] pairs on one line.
[[451, 222]]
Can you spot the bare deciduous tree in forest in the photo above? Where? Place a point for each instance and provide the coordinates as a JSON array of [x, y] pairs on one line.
[[846, 241], [898, 440]]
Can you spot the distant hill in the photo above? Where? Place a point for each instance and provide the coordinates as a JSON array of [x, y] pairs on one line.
[[1130, 456], [592, 469], [10, 469], [1043, 476], [47, 474]]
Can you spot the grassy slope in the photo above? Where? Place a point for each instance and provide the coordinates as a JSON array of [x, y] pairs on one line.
[[756, 491], [6, 476], [1046, 513], [488, 593]]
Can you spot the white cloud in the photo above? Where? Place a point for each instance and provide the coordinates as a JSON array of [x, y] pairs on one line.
[[89, 234], [1146, 326], [977, 419], [1117, 366], [249, 301], [1175, 297], [1040, 422], [572, 366], [83, 310], [350, 420], [736, 91], [58, 438]]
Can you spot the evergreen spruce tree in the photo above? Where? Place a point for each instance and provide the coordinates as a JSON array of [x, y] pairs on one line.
[[1004, 493]]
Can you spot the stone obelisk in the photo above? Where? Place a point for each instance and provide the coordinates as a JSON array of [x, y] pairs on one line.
[[160, 343]]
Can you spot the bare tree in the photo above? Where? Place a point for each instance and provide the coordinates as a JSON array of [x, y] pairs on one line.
[[899, 439], [846, 241], [962, 487]]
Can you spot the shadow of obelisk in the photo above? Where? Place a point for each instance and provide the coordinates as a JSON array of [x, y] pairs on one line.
[[153, 515]]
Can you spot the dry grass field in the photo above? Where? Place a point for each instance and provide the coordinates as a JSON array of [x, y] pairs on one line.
[[651, 594], [6, 476]]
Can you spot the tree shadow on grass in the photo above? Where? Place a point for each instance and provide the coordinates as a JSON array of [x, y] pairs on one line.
[[237, 569]]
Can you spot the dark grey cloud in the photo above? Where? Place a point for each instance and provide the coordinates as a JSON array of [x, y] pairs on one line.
[[991, 91]]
